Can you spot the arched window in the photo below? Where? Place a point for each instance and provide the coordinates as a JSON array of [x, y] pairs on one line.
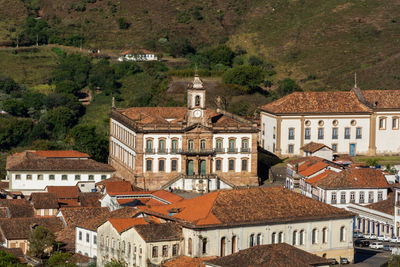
[[294, 239], [314, 236], [273, 238], [234, 244], [259, 239], [202, 145], [280, 237], [301, 238], [204, 245], [197, 100], [223, 244], [190, 145], [123, 246], [324, 235], [251, 240], [190, 246], [342, 234]]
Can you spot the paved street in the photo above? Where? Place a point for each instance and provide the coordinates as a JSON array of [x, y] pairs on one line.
[[365, 257]]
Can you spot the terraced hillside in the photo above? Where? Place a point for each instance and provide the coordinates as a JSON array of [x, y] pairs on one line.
[[319, 43]]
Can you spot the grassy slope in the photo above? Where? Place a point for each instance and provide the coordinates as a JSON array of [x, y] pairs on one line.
[[327, 39], [29, 68], [12, 15]]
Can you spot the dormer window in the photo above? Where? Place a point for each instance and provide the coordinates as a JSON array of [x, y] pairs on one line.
[[197, 101]]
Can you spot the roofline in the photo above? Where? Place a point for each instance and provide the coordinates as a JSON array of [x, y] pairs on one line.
[[366, 209], [193, 226], [11, 169], [348, 188], [318, 113]]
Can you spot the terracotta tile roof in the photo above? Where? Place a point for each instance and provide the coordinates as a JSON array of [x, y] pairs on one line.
[[4, 212], [353, 178], [70, 203], [18, 207], [64, 191], [67, 238], [90, 199], [186, 261], [79, 215], [21, 228], [274, 255], [248, 206], [175, 116], [166, 195], [319, 177], [313, 147], [317, 102], [44, 200], [117, 187], [159, 232], [304, 162], [313, 169], [385, 206], [384, 99], [60, 154], [124, 212], [121, 224], [28, 161]]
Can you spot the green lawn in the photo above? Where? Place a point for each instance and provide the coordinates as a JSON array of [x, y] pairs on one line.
[[382, 160], [97, 113]]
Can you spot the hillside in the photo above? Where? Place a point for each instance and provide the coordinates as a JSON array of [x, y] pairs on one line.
[[319, 43]]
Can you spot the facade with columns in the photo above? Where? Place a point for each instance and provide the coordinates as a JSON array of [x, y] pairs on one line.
[[355, 122], [190, 148]]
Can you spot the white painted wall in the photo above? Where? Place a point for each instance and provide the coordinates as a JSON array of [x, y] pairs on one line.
[[387, 140], [87, 245], [268, 124], [24, 184]]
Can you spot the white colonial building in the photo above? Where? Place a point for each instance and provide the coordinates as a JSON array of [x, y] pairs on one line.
[[227, 221], [351, 122], [33, 171], [189, 148]]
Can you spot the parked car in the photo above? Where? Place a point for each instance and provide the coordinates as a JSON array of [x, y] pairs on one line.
[[376, 245], [393, 239], [387, 247], [344, 261], [357, 242], [373, 236], [387, 238], [367, 236], [381, 238], [365, 243], [333, 261]]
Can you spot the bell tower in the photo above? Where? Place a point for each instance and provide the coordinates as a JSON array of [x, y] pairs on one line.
[[196, 101]]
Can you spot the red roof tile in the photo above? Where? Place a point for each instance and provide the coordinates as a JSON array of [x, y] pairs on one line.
[[313, 169], [118, 187], [60, 154], [353, 178], [186, 261], [319, 177], [248, 206], [313, 147], [64, 191], [121, 224], [317, 103]]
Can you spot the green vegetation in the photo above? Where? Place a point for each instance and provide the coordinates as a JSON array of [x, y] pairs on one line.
[[40, 240], [8, 260], [60, 259]]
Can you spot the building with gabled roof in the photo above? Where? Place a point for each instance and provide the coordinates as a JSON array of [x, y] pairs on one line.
[[15, 232], [44, 204], [355, 122], [33, 171], [191, 148], [138, 241], [226, 221]]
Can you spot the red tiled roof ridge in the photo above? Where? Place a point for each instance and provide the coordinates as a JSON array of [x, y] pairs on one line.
[[60, 153], [313, 147]]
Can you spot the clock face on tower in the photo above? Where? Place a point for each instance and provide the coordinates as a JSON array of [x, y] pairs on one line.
[[197, 113]]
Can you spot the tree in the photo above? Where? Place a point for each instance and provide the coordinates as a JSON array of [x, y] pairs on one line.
[[85, 139], [7, 85], [394, 261], [40, 240], [61, 119], [122, 24], [125, 68], [60, 259], [372, 162], [247, 76], [15, 107], [73, 67], [102, 76], [8, 260], [67, 87], [287, 86], [14, 131], [255, 61]]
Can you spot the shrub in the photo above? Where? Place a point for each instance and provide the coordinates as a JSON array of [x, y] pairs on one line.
[[122, 24]]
